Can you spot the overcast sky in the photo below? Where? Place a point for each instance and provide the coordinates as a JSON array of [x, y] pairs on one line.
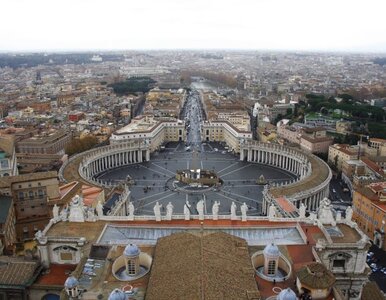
[[327, 25]]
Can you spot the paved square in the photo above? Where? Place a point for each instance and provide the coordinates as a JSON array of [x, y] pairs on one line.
[[239, 180]]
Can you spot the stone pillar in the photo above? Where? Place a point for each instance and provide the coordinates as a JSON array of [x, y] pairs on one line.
[[148, 155], [44, 257]]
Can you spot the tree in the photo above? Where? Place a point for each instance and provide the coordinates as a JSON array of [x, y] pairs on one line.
[[80, 145]]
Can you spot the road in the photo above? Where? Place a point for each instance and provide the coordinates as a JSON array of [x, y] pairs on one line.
[[192, 113], [339, 199]]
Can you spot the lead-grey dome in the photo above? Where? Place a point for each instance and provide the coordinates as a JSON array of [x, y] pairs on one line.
[[71, 282], [287, 294], [131, 250], [117, 294], [271, 251]]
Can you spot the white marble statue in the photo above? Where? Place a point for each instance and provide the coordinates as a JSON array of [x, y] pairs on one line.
[[91, 215], [244, 209], [64, 214], [302, 211], [338, 217], [187, 210], [233, 211], [99, 209], [38, 234], [215, 209], [312, 216], [157, 211], [200, 209], [131, 211], [169, 211], [349, 212], [272, 211], [77, 211], [325, 212], [55, 212]]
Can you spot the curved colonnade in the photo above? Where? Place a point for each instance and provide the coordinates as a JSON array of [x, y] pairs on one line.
[[310, 186], [101, 159], [313, 174]]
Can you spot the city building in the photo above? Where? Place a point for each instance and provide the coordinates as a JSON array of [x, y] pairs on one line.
[[224, 131], [47, 142], [370, 211], [7, 224], [31, 195], [338, 153], [152, 130], [164, 103], [311, 139], [8, 161]]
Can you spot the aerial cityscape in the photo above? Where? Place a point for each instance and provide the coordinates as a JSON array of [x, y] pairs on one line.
[[191, 157]]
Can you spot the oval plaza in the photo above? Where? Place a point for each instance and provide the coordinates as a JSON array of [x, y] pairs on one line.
[[148, 153]]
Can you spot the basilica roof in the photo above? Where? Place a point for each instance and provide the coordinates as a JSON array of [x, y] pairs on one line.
[[15, 271], [215, 265], [316, 276]]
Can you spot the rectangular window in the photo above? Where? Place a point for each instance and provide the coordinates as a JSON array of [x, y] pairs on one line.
[[4, 164], [271, 267], [21, 196], [339, 263], [131, 267]]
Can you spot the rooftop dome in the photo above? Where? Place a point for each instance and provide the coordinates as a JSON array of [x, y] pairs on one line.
[[71, 282], [286, 294], [271, 250], [117, 294], [131, 250]]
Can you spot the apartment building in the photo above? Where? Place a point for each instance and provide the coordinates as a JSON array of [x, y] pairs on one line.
[[338, 153], [8, 162], [31, 194], [7, 224], [47, 142], [369, 206]]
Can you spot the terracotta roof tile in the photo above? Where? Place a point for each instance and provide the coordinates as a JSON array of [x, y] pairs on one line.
[[14, 271]]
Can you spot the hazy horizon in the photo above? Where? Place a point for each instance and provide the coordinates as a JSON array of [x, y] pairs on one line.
[[246, 25]]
